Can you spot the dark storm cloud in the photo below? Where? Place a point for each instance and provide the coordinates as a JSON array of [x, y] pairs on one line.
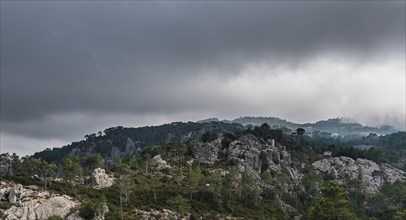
[[136, 57]]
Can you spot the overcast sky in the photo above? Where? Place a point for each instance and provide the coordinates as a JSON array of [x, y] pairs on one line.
[[72, 68]]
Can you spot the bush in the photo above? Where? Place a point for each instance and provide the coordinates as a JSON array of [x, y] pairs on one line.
[[55, 217], [209, 136], [86, 211], [4, 205]]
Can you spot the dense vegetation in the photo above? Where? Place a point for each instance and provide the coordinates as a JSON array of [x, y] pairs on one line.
[[103, 142], [380, 149]]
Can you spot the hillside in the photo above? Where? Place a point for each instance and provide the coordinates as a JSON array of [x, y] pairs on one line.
[[116, 142], [208, 170], [119, 141]]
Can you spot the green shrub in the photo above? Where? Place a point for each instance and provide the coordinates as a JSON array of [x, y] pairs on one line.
[[209, 136], [86, 211], [55, 217], [4, 205]]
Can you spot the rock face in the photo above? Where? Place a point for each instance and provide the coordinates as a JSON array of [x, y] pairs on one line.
[[115, 152], [248, 155], [15, 194], [28, 204], [159, 162], [42, 209], [207, 152], [245, 152], [372, 175], [253, 155], [100, 179]]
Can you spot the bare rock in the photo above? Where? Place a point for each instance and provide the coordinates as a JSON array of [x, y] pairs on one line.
[[15, 194], [100, 179], [249, 154], [246, 150], [159, 162], [372, 175], [41, 208], [74, 216], [207, 152]]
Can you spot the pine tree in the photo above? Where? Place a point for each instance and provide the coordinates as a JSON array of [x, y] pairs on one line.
[[333, 204]]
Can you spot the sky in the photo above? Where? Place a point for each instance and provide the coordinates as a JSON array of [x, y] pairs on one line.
[[71, 68]]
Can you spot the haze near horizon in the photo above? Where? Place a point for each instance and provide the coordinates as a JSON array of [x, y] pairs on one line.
[[72, 68]]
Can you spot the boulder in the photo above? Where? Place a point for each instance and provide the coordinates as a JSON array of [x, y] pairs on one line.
[[159, 162], [74, 216], [15, 194], [100, 179]]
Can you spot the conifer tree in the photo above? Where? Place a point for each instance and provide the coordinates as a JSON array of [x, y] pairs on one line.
[[333, 204]]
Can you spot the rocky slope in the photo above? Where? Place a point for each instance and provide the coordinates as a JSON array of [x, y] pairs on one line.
[[246, 170], [372, 175], [248, 155], [117, 142], [32, 203]]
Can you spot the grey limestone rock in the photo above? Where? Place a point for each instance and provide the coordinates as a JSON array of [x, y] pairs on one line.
[[27, 204], [207, 152], [372, 175], [159, 162], [100, 179]]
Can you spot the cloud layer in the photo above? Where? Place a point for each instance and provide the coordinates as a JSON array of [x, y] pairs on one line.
[[71, 68]]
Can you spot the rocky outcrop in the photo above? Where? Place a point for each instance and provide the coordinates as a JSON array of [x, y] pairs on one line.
[[391, 174], [100, 179], [254, 156], [245, 153], [30, 204], [42, 209], [372, 175], [207, 152], [117, 153], [159, 162], [15, 194]]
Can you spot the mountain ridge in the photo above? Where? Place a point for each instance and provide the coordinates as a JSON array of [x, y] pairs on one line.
[[119, 141], [339, 125]]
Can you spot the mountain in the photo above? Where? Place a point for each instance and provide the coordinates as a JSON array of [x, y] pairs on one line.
[[272, 121], [209, 170], [337, 126], [116, 142]]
